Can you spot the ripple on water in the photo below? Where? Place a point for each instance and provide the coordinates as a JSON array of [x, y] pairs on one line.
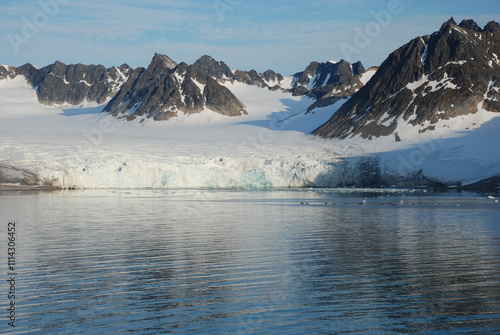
[[99, 262]]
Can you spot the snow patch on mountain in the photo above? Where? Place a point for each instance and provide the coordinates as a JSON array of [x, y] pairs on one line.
[[19, 100], [365, 77]]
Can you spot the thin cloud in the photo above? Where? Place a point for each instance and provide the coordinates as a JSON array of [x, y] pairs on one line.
[[283, 35]]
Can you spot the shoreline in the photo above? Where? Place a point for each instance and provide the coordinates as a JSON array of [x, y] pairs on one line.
[[4, 187]]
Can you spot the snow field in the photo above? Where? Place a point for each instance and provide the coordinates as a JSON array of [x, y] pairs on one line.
[[270, 147]]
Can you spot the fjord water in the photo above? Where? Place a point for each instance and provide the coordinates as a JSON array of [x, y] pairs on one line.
[[254, 262]]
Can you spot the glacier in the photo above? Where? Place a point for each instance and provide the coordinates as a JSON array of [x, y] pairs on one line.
[[268, 148]]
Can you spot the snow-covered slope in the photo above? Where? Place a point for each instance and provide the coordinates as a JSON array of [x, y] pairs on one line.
[[464, 158], [18, 99], [365, 77], [459, 151], [84, 148]]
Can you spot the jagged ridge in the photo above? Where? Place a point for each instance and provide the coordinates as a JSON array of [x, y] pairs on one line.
[[330, 78], [164, 89], [61, 84], [452, 72], [220, 71]]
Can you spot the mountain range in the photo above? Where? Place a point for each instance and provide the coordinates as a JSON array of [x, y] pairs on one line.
[[449, 73], [436, 77], [61, 84], [165, 89]]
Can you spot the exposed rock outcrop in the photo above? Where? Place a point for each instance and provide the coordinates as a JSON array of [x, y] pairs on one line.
[[455, 71], [165, 89], [61, 84]]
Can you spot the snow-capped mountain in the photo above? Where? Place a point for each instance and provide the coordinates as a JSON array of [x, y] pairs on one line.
[[73, 85], [451, 73], [318, 80], [220, 71], [268, 79], [329, 78], [216, 69], [330, 82], [164, 89]]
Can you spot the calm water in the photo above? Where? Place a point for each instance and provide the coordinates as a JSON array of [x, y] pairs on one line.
[[241, 262]]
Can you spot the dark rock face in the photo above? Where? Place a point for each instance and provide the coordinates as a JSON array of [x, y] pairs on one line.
[[12, 174], [268, 79], [328, 82], [74, 84], [324, 80], [165, 89], [270, 75], [318, 79], [490, 184], [215, 69], [440, 76], [7, 72], [220, 71]]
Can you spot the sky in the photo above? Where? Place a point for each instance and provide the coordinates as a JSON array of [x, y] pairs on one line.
[[283, 35]]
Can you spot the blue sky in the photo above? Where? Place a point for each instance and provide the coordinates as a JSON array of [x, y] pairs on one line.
[[284, 35]]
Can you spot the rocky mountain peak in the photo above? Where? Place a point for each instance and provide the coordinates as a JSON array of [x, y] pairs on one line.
[[448, 24], [324, 80], [271, 76], [161, 92], [492, 26], [220, 71], [358, 68], [470, 25], [449, 73], [316, 80], [162, 61], [213, 68], [7, 72], [61, 84]]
